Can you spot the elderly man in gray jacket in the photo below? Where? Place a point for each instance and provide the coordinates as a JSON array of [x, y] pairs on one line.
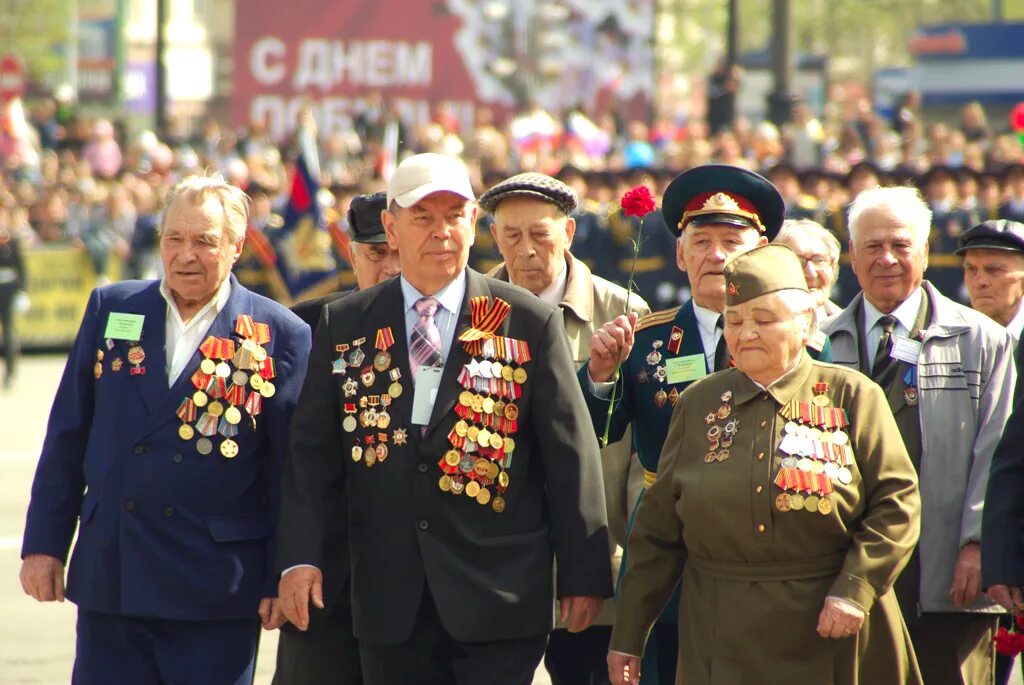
[[949, 376]]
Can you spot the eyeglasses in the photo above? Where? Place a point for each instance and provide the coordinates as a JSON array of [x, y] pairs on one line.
[[817, 261]]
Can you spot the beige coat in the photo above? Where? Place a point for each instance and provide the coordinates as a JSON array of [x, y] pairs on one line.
[[589, 302], [755, 577]]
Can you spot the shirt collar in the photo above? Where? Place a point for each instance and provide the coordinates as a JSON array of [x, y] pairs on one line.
[[906, 313], [554, 293], [1016, 324], [449, 297], [706, 318], [217, 303]]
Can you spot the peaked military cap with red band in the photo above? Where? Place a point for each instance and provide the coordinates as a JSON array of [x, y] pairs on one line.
[[723, 194]]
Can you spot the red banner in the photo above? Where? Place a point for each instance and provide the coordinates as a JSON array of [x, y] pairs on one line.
[[335, 57]]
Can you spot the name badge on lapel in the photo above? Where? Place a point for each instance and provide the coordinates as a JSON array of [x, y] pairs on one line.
[[428, 380], [124, 326], [906, 350]]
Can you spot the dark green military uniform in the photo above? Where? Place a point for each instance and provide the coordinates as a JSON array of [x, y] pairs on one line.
[[761, 530]]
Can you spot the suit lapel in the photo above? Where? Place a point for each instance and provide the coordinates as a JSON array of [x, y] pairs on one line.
[[692, 342], [152, 385], [448, 392], [239, 302]]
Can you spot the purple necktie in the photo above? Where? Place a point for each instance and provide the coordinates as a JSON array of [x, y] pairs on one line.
[[425, 342]]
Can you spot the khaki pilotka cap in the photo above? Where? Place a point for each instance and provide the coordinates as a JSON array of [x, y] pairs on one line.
[[763, 270]]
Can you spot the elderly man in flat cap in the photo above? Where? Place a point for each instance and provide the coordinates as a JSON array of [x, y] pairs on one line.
[[533, 229], [993, 253]]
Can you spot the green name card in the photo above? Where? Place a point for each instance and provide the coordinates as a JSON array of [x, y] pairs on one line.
[[686, 369], [124, 326]]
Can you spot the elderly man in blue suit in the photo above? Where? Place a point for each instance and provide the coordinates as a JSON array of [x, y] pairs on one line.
[[165, 446]]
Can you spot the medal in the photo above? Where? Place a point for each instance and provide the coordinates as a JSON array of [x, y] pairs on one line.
[[215, 409], [349, 423], [383, 420], [825, 506], [97, 370], [642, 377], [654, 356], [137, 355], [350, 386], [782, 502], [116, 365], [723, 412], [240, 378], [445, 483], [673, 397], [483, 497], [357, 356], [187, 413], [400, 436], [229, 449], [660, 398], [267, 389], [233, 416], [910, 397], [811, 503], [466, 463], [457, 487], [357, 452], [845, 476], [367, 377], [796, 501], [519, 375], [508, 374], [503, 479], [222, 370], [472, 488], [675, 339], [208, 366], [186, 432], [498, 504], [382, 452], [452, 458], [204, 446], [256, 381]]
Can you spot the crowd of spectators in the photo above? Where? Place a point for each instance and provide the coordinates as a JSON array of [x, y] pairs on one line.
[[73, 179]]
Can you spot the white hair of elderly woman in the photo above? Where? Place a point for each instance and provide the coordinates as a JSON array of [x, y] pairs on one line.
[[902, 201], [200, 188], [791, 228]]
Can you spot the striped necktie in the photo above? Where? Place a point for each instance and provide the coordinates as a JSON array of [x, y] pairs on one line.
[[425, 341]]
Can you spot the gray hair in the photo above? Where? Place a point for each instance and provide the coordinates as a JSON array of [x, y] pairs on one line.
[[903, 201], [794, 227], [198, 189]]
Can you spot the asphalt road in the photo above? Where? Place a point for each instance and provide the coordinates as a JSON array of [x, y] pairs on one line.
[[37, 641]]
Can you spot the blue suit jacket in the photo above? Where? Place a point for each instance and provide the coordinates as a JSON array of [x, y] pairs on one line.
[[164, 532]]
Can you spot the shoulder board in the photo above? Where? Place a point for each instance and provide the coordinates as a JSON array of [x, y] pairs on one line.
[[657, 318], [818, 340]]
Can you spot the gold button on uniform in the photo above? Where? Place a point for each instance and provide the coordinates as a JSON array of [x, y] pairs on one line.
[[758, 489], [763, 424], [760, 528], [760, 456]]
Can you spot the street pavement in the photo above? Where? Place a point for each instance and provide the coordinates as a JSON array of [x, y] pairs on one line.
[[37, 641]]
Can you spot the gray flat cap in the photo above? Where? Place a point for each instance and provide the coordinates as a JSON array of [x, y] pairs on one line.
[[539, 186]]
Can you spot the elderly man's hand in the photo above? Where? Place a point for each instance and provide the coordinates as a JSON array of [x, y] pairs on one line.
[[623, 669], [966, 575], [271, 616], [610, 345], [42, 577], [298, 587], [1010, 598], [579, 612], [839, 618]]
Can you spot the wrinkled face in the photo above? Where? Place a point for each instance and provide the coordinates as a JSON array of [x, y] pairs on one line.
[[432, 237], [374, 263], [888, 257], [196, 250], [819, 267], [702, 252], [533, 237], [995, 282], [764, 336]]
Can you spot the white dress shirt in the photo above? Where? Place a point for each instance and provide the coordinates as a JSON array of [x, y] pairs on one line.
[[555, 293], [450, 300], [1016, 325], [906, 318], [182, 338]]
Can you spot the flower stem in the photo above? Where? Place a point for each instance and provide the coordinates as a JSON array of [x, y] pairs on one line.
[[618, 366]]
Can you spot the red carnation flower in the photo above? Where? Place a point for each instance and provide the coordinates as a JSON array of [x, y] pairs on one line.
[[1008, 643], [638, 201]]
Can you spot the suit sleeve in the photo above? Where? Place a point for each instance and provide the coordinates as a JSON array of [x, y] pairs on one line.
[[597, 407], [572, 469], [1002, 552], [888, 530], [995, 402], [655, 549], [290, 359], [59, 482], [314, 470]]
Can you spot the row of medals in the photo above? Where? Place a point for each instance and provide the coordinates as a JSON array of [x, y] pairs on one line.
[[136, 355], [660, 374], [804, 457], [721, 430], [482, 467], [369, 414], [231, 414]]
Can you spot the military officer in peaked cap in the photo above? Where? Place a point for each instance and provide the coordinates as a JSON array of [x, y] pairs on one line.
[[715, 212], [327, 652], [534, 227], [786, 501]]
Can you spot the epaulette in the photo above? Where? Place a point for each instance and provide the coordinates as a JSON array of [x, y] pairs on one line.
[[818, 340], [657, 318]]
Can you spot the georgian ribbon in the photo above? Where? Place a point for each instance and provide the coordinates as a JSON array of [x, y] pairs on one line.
[[485, 317]]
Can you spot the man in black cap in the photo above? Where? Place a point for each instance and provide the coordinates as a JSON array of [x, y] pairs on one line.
[[328, 651], [534, 226], [372, 260], [714, 211], [993, 253]]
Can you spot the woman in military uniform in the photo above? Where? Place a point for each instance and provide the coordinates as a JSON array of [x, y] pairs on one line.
[[787, 503]]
